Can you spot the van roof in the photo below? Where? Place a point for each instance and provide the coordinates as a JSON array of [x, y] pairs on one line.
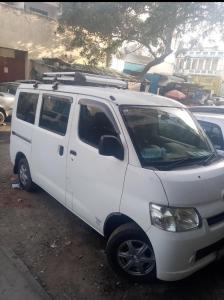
[[121, 96]]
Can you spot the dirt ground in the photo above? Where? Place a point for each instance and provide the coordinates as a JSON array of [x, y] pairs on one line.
[[67, 257]]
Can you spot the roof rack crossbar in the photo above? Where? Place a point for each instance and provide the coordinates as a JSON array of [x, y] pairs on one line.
[[77, 78]]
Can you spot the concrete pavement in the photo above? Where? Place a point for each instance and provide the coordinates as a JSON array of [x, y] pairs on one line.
[[16, 282]]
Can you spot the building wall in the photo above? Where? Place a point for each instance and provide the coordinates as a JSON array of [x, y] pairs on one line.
[[12, 64], [50, 9], [47, 8], [27, 31]]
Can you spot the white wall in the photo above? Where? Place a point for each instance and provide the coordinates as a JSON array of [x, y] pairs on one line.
[[28, 32]]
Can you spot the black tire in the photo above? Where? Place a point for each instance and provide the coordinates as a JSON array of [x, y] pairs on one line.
[[123, 236], [25, 182], [2, 117]]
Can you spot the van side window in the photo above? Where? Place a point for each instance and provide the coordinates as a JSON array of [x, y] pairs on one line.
[[26, 107], [214, 133], [55, 113], [93, 123]]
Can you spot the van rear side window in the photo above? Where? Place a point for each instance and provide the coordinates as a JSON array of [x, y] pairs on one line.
[[55, 113], [26, 107]]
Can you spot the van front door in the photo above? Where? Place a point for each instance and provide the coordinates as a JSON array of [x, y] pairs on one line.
[[50, 144], [95, 182]]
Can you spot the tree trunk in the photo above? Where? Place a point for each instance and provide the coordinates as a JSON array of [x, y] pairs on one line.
[[108, 59], [153, 63]]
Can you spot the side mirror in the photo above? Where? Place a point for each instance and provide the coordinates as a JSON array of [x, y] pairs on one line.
[[110, 145]]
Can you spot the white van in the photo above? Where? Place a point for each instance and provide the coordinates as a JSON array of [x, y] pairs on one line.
[[136, 167]]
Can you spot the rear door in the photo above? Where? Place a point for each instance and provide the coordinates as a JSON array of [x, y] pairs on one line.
[[50, 143]]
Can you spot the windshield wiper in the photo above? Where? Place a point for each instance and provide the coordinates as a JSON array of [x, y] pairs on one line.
[[209, 158], [197, 160], [178, 163]]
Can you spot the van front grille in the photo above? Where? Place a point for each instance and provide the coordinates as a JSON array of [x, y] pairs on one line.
[[215, 219]]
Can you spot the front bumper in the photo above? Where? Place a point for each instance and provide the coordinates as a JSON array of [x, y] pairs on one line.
[[180, 254]]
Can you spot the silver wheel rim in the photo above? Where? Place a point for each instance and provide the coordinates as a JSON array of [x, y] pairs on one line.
[[136, 258], [2, 118], [23, 174]]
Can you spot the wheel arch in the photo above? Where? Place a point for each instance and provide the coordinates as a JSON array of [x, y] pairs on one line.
[[116, 219]]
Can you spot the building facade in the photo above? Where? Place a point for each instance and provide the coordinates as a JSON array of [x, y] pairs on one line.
[[28, 31], [204, 67], [208, 61], [48, 9]]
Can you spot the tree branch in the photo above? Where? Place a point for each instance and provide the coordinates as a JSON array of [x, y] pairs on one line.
[[134, 50], [154, 62]]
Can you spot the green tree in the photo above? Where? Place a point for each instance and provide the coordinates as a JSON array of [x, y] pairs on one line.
[[100, 28]]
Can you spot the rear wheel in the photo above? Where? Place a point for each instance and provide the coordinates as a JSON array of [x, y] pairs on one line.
[[2, 117], [130, 253], [24, 175]]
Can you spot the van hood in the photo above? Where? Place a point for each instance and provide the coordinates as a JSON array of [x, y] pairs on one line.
[[195, 186]]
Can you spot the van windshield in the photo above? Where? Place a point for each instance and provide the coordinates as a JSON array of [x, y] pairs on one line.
[[166, 136]]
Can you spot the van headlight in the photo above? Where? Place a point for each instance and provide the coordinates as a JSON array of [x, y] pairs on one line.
[[174, 219]]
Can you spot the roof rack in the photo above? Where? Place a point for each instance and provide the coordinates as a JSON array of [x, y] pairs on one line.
[[78, 78]]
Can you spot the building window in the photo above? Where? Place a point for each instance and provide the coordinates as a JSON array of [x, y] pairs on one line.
[[181, 63], [207, 64], [55, 113], [200, 64], [93, 124], [194, 64], [214, 64], [188, 63], [177, 63], [26, 107]]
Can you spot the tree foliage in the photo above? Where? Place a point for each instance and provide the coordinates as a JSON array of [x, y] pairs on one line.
[[100, 28]]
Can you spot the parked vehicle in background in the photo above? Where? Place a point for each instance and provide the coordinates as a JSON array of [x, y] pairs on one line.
[[136, 167], [207, 109], [213, 125], [6, 105], [9, 87], [7, 97]]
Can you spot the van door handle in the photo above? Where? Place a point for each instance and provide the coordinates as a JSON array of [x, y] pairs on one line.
[[60, 150], [73, 152]]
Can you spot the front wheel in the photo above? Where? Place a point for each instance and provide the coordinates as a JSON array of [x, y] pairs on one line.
[[130, 253], [24, 175]]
